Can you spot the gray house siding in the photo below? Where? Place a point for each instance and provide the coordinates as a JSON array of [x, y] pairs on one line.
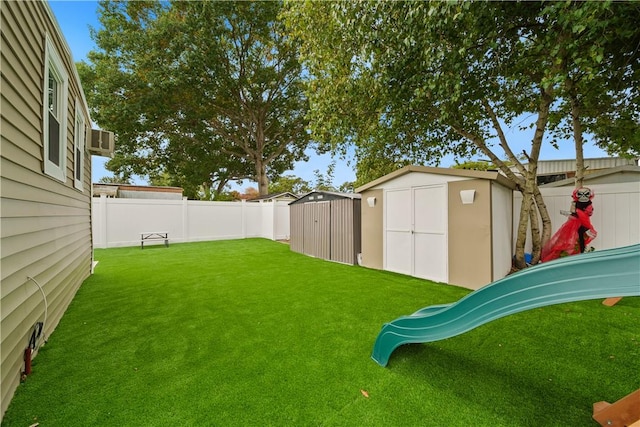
[[45, 223]]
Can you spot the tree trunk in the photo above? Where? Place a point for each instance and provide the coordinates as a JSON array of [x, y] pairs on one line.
[[521, 238], [220, 187], [531, 185], [577, 138], [536, 246], [261, 178], [544, 217]]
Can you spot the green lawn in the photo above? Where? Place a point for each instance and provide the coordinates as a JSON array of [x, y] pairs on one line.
[[247, 333]]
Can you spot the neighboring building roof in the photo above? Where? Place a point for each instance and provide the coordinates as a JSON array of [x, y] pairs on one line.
[[314, 196], [128, 191], [569, 165], [472, 174], [628, 173], [275, 196]]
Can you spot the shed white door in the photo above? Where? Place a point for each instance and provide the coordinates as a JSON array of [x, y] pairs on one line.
[[398, 231], [416, 232]]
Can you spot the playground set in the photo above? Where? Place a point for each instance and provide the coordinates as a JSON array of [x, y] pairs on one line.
[[608, 274]]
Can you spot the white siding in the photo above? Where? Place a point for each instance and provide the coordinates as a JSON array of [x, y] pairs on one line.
[[501, 230], [616, 212]]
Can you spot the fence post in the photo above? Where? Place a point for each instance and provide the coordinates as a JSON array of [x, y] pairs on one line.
[[243, 216], [102, 207], [185, 220], [274, 219]]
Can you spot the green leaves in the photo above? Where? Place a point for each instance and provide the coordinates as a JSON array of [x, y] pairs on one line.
[[204, 92]]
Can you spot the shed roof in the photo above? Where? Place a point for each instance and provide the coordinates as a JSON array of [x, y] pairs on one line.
[[472, 174], [312, 196], [133, 191], [546, 167], [275, 196], [632, 171]]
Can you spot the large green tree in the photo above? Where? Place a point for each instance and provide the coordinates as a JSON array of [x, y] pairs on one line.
[[203, 92], [453, 78], [289, 183], [596, 50]]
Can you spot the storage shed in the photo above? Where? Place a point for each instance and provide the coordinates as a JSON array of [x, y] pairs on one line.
[[326, 225], [446, 225]]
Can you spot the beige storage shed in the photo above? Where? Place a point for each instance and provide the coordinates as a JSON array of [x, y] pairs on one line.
[[445, 225], [326, 225]]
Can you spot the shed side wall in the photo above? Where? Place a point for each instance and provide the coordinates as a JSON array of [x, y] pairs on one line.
[[502, 229], [296, 214], [45, 224], [470, 235], [372, 229], [345, 233]]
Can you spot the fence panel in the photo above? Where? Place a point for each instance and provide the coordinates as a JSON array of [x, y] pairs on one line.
[[214, 221], [616, 209], [119, 222]]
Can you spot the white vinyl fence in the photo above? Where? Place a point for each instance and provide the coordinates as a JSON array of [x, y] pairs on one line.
[[616, 212], [119, 222]]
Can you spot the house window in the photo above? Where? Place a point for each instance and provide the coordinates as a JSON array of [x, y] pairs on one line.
[[54, 113], [79, 143]]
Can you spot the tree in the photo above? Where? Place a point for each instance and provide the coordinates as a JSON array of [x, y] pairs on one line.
[[289, 183], [347, 187], [598, 59], [444, 78], [114, 180], [205, 92], [324, 181], [479, 165], [250, 193]]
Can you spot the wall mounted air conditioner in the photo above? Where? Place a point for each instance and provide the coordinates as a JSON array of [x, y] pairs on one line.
[[101, 142]]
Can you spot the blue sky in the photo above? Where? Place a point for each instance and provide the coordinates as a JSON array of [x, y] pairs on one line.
[[76, 16]]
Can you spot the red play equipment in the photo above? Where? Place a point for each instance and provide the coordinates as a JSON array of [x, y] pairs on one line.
[[575, 234]]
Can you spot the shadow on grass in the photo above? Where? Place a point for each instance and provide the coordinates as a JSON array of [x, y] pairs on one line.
[[516, 386]]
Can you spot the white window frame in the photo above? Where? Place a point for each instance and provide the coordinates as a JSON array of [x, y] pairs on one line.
[[79, 144], [53, 65]]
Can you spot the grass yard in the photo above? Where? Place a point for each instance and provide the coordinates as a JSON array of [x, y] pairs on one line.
[[247, 333]]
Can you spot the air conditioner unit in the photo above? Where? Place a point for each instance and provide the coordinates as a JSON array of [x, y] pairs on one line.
[[101, 143]]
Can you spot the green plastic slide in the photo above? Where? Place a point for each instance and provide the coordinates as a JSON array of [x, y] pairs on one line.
[[594, 275]]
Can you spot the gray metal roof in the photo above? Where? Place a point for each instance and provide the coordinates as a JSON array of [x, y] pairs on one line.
[[569, 165], [317, 195], [633, 171]]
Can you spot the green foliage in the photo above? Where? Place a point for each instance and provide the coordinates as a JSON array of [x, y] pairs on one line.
[[474, 165], [114, 180], [324, 181], [204, 92], [347, 187], [289, 183], [415, 81], [480, 165], [230, 196], [595, 52]]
